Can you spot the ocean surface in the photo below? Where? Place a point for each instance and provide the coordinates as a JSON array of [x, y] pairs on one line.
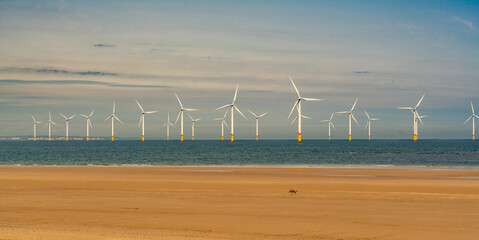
[[242, 152]]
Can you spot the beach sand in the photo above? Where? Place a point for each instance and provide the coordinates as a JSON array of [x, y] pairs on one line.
[[238, 203]]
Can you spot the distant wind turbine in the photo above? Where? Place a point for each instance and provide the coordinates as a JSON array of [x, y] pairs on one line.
[[330, 124], [223, 123], [142, 120], [49, 124], [113, 117], [350, 113], [180, 114], [473, 123], [35, 128], [297, 105], [88, 124], [415, 117], [368, 124], [257, 121], [193, 126], [167, 125], [233, 107], [67, 120]]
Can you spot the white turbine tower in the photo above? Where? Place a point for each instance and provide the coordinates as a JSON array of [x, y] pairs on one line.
[[368, 124], [473, 123], [49, 124], [223, 123], [88, 124], [350, 113], [193, 126], [233, 107], [67, 120], [142, 120], [415, 117], [297, 105], [257, 121], [168, 124], [113, 117], [180, 114], [35, 128], [330, 124]]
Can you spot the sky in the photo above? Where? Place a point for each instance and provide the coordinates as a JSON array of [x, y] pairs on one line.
[[72, 57]]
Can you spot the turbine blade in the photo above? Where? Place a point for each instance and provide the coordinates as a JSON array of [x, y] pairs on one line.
[[296, 89], [151, 112], [344, 112], [89, 123], [312, 99], [366, 113], [226, 124], [190, 116], [239, 112], [418, 117], [354, 119], [305, 117], [236, 93], [226, 113], [166, 123], [374, 119], [252, 113], [262, 115], [420, 100], [190, 109], [407, 108], [141, 119], [292, 109], [324, 121], [181, 105], [64, 116], [293, 120], [33, 118], [108, 118], [91, 114], [332, 125], [139, 105], [367, 123], [354, 105], [72, 116], [196, 120], [472, 107], [114, 107], [85, 116], [118, 119], [227, 105], [331, 116], [179, 113], [467, 120]]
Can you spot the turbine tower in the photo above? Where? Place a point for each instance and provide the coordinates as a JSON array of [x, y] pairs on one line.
[[193, 126], [88, 124], [168, 124], [142, 120], [49, 124], [67, 121], [350, 113], [415, 117], [330, 123], [180, 114], [368, 124], [223, 123], [35, 128], [297, 105], [113, 117], [257, 121], [233, 107], [473, 123]]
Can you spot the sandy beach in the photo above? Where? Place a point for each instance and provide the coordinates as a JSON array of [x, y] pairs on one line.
[[238, 203]]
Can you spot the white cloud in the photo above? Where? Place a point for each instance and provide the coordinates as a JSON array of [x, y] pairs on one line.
[[465, 22]]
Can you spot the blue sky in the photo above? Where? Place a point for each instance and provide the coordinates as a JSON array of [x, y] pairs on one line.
[[72, 56]]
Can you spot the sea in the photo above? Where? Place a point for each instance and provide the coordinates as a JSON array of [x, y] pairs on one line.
[[309, 153]]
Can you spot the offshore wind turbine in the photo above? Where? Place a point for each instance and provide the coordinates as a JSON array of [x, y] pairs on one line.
[[473, 123], [49, 124], [88, 124], [168, 124], [193, 126], [368, 124], [67, 121], [223, 123], [297, 105], [330, 124], [257, 121], [350, 113], [113, 117], [233, 107], [35, 128], [415, 117], [142, 120], [180, 114]]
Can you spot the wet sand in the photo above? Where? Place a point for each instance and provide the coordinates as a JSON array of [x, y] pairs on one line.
[[238, 203]]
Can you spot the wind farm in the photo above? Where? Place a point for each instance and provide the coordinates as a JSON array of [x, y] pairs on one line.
[[232, 107]]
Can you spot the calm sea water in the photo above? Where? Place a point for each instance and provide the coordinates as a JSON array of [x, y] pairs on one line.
[[266, 152]]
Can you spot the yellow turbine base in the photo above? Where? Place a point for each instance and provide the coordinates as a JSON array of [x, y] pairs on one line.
[[473, 137], [34, 139], [222, 138], [49, 139], [181, 137], [66, 138], [232, 137], [87, 138], [369, 137], [299, 137], [256, 137], [142, 138], [329, 137], [192, 138], [349, 137], [112, 138], [415, 137], [167, 138]]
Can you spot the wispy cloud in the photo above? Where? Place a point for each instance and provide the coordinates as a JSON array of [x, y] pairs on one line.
[[75, 82], [362, 72], [102, 45], [58, 71], [469, 24]]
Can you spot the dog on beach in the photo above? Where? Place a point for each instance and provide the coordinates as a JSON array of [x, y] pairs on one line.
[[293, 191]]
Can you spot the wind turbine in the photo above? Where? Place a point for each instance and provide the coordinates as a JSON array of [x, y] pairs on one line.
[[88, 124], [297, 105], [368, 124], [473, 123], [113, 117], [168, 124], [193, 126], [223, 123], [415, 117], [233, 107], [350, 113], [142, 120], [67, 121], [257, 121], [330, 123], [181, 114], [49, 124], [35, 128]]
